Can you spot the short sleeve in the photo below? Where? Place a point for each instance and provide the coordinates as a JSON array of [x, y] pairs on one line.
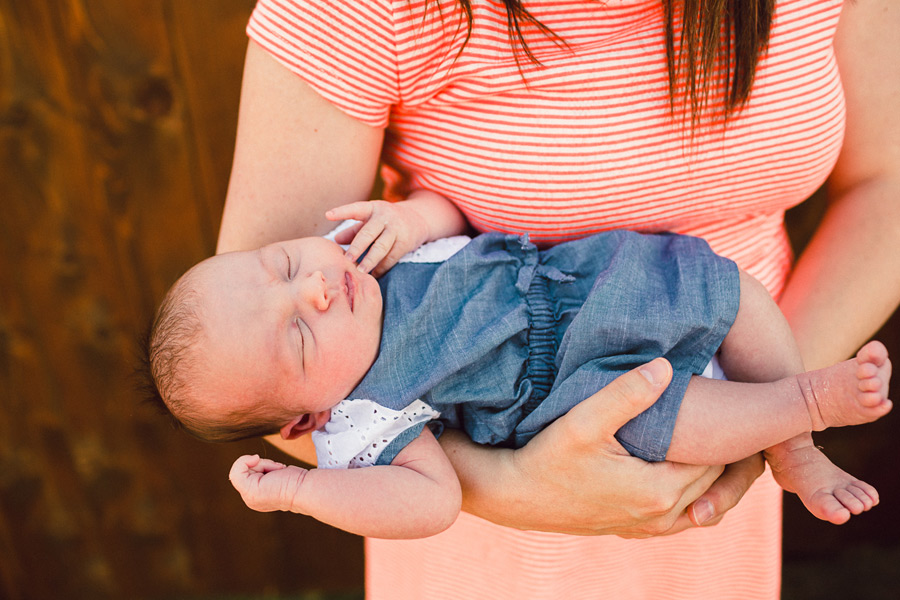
[[362, 433], [344, 50]]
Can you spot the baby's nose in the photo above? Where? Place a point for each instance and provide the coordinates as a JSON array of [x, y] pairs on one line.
[[318, 293]]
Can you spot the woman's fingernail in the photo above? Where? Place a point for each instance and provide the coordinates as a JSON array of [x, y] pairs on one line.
[[654, 371], [703, 511]]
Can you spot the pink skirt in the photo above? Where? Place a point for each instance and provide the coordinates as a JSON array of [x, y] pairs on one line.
[[740, 558]]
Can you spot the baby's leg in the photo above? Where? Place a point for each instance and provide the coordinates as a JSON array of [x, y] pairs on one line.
[[723, 421], [760, 345]]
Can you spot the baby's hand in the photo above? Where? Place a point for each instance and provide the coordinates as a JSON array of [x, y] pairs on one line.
[[388, 230], [266, 485]]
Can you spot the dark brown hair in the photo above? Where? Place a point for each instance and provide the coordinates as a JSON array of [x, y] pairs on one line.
[[719, 46]]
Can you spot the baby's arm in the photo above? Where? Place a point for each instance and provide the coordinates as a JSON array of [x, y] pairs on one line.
[[391, 229], [418, 495]]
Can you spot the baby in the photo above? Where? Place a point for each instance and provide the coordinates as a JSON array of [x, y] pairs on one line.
[[499, 339]]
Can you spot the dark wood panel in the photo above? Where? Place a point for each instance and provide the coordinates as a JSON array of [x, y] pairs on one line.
[[116, 127]]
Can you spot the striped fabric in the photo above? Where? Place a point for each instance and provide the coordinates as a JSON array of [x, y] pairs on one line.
[[581, 143], [739, 559], [570, 150]]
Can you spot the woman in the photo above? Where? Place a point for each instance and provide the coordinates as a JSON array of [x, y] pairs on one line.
[[576, 131]]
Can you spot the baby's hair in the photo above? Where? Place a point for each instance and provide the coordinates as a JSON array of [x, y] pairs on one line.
[[171, 363], [167, 355]]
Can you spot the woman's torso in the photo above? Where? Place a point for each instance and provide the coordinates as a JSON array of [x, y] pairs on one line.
[[586, 145], [587, 142]]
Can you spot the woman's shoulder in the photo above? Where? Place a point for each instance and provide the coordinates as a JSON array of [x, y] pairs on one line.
[[364, 56], [345, 51]]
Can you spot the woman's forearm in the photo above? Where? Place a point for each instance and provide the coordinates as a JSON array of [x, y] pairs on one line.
[[847, 282], [484, 475]]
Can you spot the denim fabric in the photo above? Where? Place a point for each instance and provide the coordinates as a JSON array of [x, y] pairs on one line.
[[502, 338]]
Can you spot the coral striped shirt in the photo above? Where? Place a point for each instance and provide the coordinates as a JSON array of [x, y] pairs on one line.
[[585, 141], [580, 143]]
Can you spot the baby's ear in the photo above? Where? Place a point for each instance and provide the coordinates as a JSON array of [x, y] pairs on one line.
[[303, 424]]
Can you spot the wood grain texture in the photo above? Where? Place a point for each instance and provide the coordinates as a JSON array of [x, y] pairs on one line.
[[117, 125]]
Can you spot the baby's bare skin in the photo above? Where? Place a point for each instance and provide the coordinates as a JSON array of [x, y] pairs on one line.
[[849, 393]]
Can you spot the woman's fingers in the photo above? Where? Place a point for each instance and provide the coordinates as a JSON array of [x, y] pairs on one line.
[[598, 417], [726, 491], [677, 486]]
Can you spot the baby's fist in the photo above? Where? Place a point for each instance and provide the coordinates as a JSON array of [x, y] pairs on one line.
[[266, 485]]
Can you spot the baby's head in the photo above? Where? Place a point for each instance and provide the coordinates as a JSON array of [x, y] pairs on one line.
[[265, 341]]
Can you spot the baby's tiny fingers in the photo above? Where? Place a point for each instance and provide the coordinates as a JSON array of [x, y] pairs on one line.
[[345, 236], [364, 239], [379, 249], [265, 465], [397, 252], [360, 211], [242, 467]]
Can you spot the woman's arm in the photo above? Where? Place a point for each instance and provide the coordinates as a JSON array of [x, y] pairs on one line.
[[417, 495], [847, 281], [296, 157]]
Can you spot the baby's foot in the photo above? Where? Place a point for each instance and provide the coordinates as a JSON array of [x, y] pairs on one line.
[[849, 393], [828, 492]]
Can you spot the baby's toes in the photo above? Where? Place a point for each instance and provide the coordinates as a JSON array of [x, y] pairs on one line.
[[850, 501], [867, 371], [827, 507], [875, 404], [870, 393], [873, 352], [866, 494]]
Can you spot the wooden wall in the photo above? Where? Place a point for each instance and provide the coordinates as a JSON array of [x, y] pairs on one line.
[[116, 131], [117, 122]]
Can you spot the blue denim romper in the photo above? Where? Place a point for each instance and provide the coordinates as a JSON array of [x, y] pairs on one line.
[[502, 338]]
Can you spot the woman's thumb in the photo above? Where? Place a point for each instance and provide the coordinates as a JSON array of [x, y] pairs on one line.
[[632, 393]]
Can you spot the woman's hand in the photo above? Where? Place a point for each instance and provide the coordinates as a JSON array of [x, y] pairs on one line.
[[574, 477]]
